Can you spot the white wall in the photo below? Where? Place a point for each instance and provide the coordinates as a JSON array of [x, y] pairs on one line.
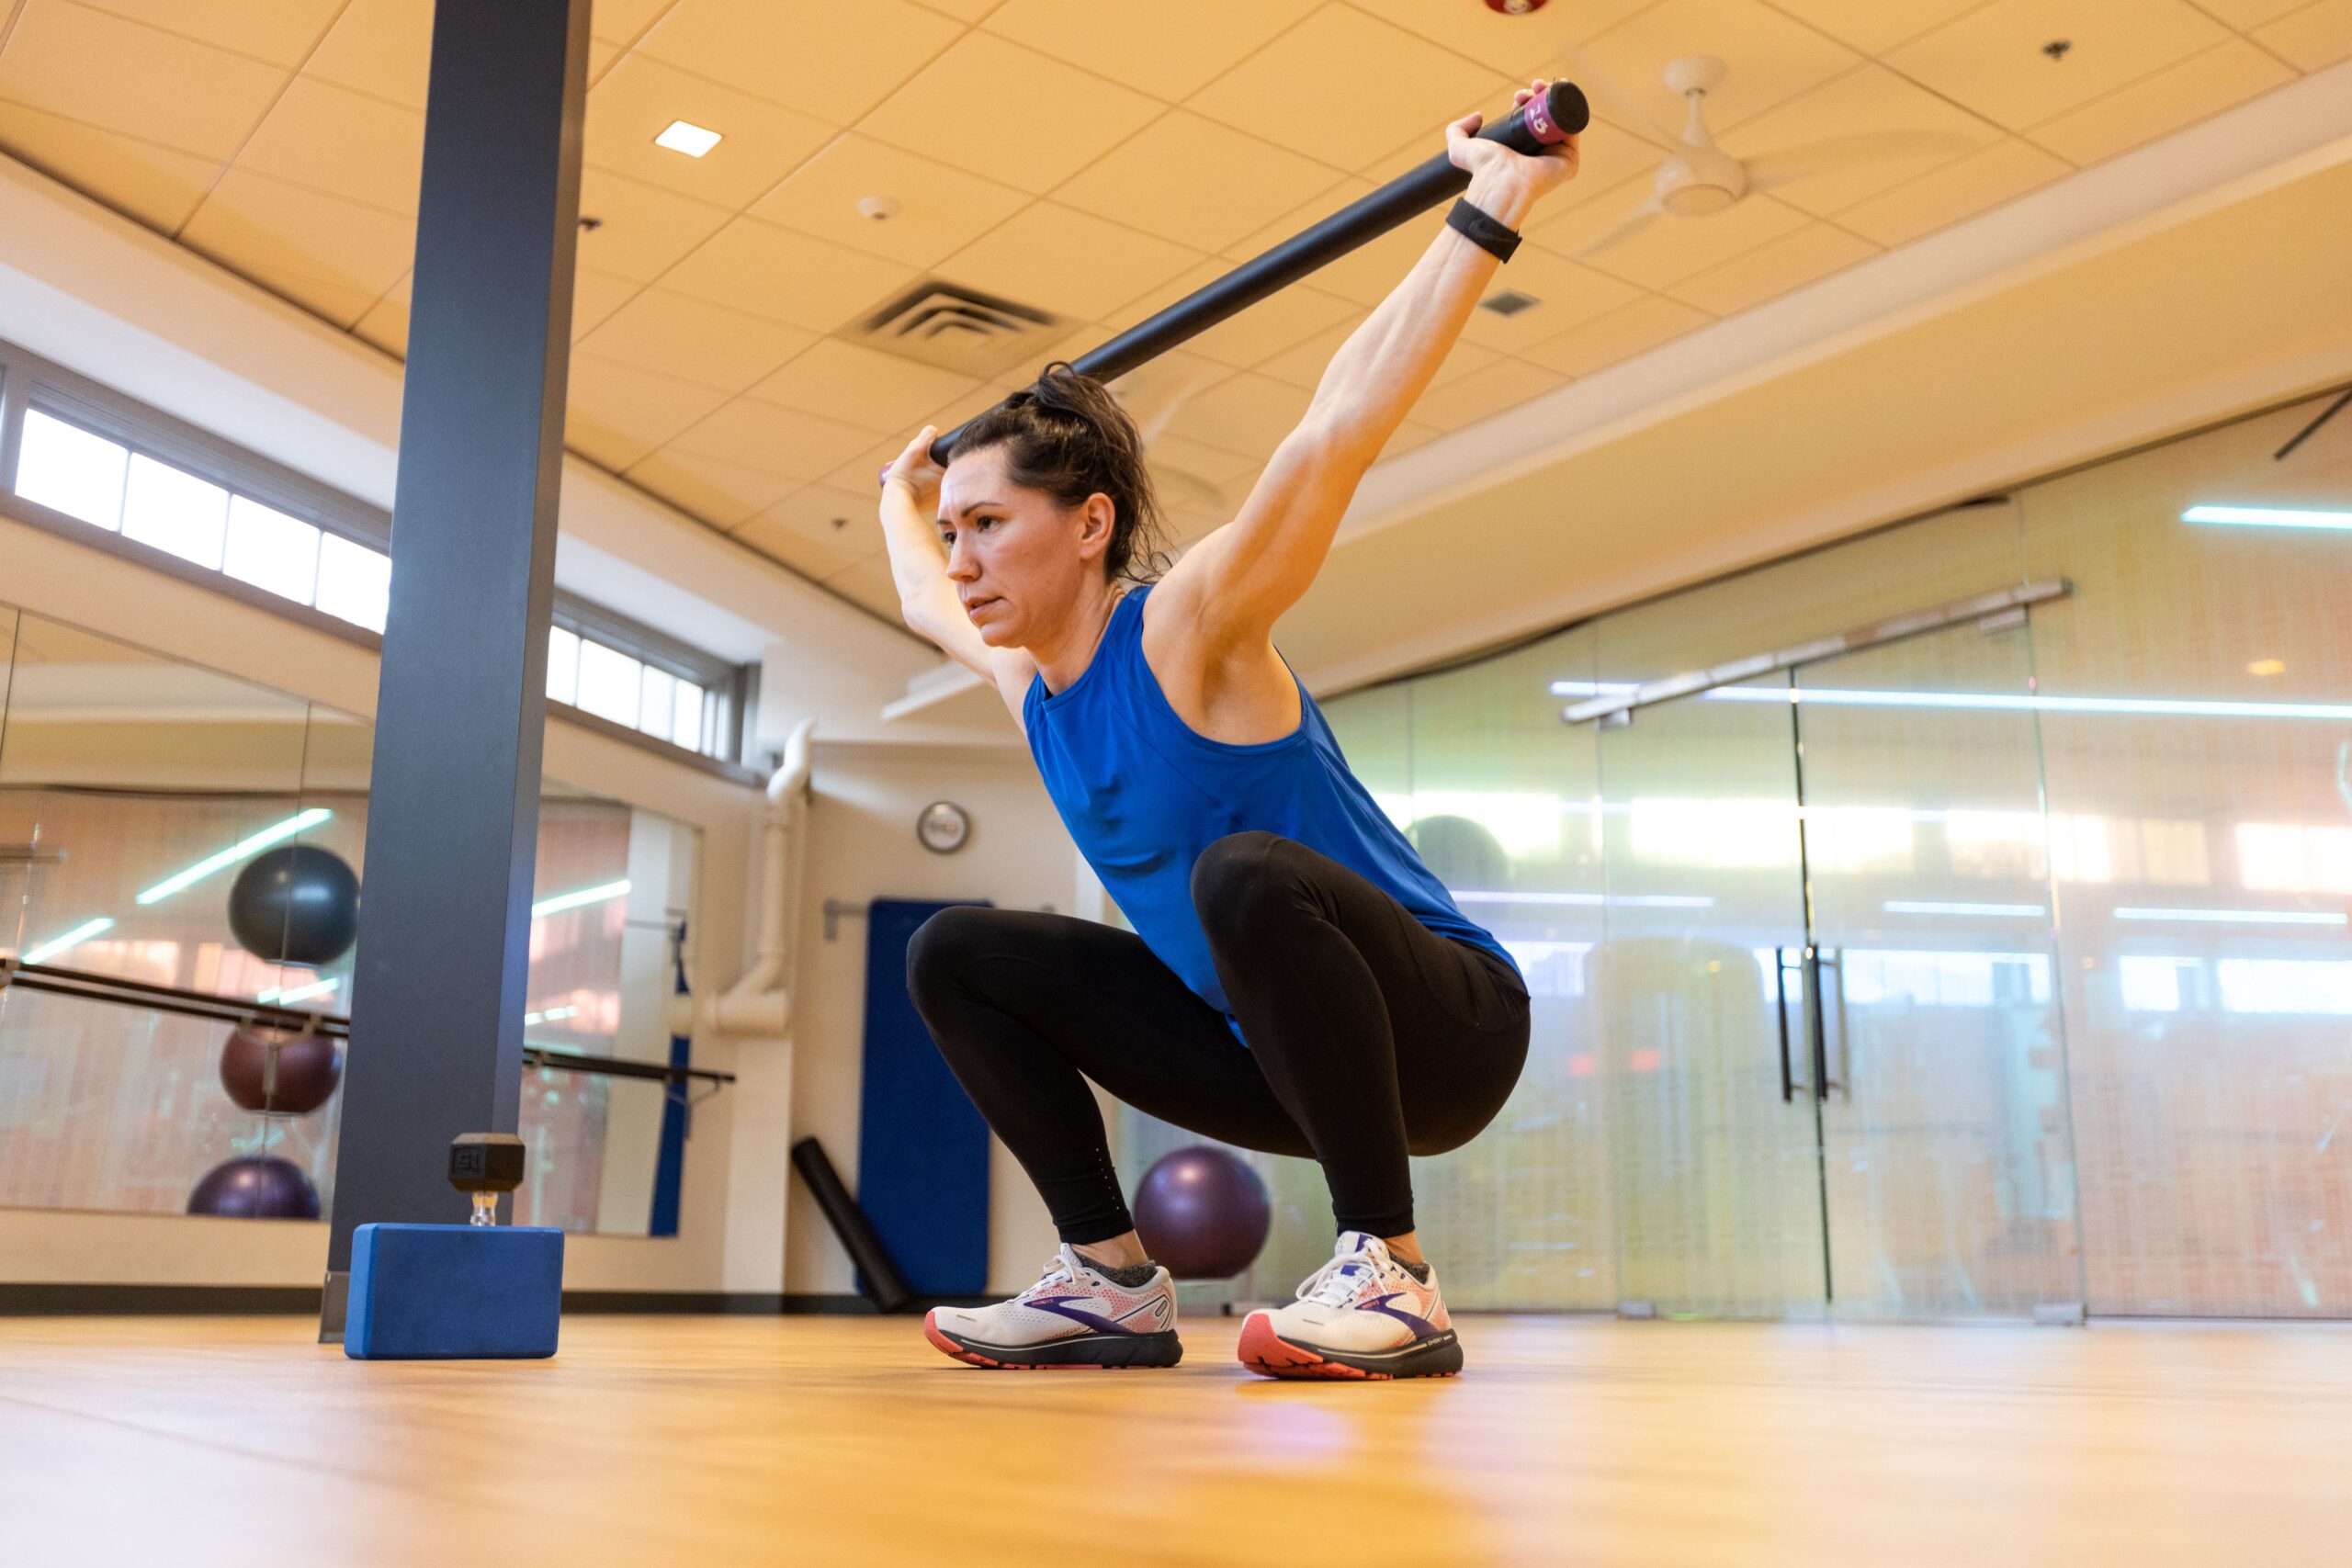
[[862, 837]]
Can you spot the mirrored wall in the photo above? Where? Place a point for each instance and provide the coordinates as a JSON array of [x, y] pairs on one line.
[[1989, 966], [200, 841]]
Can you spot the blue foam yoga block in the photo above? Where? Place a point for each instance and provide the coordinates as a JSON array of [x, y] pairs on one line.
[[453, 1292]]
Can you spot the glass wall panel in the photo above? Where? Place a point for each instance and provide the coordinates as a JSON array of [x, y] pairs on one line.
[[2198, 723]]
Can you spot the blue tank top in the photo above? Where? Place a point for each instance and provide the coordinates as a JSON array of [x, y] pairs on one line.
[[1144, 793]]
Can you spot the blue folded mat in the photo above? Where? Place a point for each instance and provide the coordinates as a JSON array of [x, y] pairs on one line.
[[454, 1292]]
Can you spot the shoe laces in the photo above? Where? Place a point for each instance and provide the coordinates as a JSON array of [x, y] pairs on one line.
[[1061, 1268], [1332, 1284]]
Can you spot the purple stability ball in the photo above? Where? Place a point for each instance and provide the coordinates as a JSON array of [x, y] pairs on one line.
[[1202, 1214], [272, 1069], [256, 1186]]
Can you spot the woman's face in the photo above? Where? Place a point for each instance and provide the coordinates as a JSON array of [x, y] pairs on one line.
[[1022, 563]]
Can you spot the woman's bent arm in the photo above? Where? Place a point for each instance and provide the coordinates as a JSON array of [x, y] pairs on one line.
[[1234, 583]]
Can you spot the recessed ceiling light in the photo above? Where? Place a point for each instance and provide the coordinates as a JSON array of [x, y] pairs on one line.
[[2267, 517], [685, 137], [2267, 667]]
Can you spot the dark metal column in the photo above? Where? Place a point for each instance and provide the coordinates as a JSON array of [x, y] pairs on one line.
[[454, 805]]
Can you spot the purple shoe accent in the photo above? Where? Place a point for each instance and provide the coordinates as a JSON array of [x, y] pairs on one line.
[[1421, 1326], [1058, 1306]]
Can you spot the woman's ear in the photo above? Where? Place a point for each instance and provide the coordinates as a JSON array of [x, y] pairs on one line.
[[1098, 516]]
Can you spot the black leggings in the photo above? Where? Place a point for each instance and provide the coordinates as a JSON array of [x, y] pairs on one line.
[[1371, 1036]]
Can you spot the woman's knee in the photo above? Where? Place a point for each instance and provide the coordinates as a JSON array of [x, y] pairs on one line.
[[1236, 879], [946, 951]]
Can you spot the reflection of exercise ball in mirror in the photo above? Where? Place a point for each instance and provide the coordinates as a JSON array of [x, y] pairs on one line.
[[256, 1186], [296, 904], [279, 1071], [1459, 852]]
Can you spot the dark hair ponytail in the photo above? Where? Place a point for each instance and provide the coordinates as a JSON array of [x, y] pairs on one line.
[[1068, 436]]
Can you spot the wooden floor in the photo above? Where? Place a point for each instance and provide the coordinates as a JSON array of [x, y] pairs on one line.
[[814, 1440]]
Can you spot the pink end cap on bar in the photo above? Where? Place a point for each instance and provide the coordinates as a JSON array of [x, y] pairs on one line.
[[1540, 123]]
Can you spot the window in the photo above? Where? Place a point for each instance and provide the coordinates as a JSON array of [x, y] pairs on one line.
[[175, 511], [672, 694], [64, 467]]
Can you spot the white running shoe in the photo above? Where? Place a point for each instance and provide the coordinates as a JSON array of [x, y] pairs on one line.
[[1072, 1317], [1359, 1315]]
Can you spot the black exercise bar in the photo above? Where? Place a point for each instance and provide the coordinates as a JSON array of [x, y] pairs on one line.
[[90, 986], [1546, 121]]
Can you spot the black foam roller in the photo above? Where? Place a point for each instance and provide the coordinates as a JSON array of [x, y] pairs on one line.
[[880, 1278]]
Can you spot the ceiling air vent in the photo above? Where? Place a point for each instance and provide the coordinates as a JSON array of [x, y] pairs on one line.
[[1509, 302], [958, 329]]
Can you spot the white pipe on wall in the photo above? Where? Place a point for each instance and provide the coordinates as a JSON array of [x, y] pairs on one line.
[[760, 1004]]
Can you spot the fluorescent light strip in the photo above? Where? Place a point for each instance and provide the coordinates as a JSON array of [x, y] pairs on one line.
[[562, 901], [1589, 900], [2017, 702], [80, 933], [2235, 917], [299, 993], [553, 1015], [235, 853], [2268, 517], [1930, 907]]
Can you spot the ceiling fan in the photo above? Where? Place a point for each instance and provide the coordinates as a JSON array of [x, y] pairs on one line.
[[1700, 179]]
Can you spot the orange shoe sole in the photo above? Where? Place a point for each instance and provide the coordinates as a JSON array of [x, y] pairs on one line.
[[1267, 1354]]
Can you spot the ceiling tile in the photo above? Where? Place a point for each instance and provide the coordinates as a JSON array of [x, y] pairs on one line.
[[1874, 27], [1979, 181], [1195, 182], [1268, 327], [1772, 58], [120, 77], [280, 31], [620, 21], [639, 98], [1247, 413], [1608, 155], [601, 57], [617, 414], [1619, 335], [962, 10], [870, 583], [1851, 138], [2314, 38], [258, 225], [862, 475], [774, 440], [595, 296], [1313, 211], [1773, 269], [819, 57], [641, 229], [1008, 113], [940, 210], [1991, 59], [1368, 274], [1566, 292], [384, 47], [154, 184], [1067, 261], [1303, 366], [1409, 435], [1396, 84], [338, 303], [720, 493], [1211, 464], [772, 272], [695, 341], [386, 323], [1166, 48], [879, 392], [2156, 106], [817, 530], [2247, 15], [1668, 248], [343, 142], [1153, 394], [1482, 394], [1521, 46]]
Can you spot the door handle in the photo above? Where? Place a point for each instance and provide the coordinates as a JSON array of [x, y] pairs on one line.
[[1781, 1011], [1826, 994]]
